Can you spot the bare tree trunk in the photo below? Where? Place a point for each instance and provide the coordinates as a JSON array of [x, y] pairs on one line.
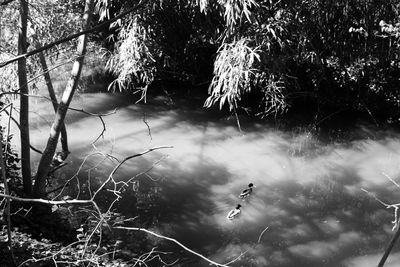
[[45, 160], [24, 100], [50, 88]]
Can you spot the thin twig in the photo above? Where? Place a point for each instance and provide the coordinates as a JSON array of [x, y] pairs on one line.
[[390, 179], [375, 197], [122, 162], [370, 113], [103, 131], [236, 258], [330, 115], [237, 117], [259, 238], [19, 127], [148, 127]]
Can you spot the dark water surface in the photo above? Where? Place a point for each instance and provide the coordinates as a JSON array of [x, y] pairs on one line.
[[308, 193]]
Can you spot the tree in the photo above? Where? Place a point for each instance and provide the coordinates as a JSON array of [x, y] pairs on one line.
[[34, 25], [24, 99], [45, 160]]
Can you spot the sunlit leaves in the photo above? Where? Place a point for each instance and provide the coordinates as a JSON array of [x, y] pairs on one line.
[[273, 90], [234, 70], [132, 62], [102, 7], [390, 29], [8, 74], [237, 11], [202, 4]]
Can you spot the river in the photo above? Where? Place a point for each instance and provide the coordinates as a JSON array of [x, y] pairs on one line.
[[308, 207]]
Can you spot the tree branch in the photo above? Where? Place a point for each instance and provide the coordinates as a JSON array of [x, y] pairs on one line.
[[173, 240], [48, 153], [52, 202], [72, 36], [19, 127], [122, 162]]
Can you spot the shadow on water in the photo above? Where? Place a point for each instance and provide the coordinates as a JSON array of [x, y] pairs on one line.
[[309, 192]]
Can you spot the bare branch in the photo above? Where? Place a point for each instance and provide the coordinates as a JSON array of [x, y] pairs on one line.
[[236, 258], [110, 177], [51, 202], [173, 240], [70, 108], [390, 179], [100, 117]]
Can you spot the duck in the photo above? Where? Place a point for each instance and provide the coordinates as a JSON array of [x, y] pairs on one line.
[[234, 213], [246, 192]]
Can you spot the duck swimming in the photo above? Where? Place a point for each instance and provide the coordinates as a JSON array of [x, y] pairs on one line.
[[245, 193], [233, 213]]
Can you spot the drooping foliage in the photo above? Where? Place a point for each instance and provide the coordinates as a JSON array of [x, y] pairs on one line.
[[340, 54]]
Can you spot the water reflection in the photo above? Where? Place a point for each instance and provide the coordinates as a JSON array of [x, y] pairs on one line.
[[308, 192]]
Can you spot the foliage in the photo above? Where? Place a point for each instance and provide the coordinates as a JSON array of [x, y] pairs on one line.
[[342, 53], [47, 21], [234, 72], [133, 62], [8, 46], [11, 160], [173, 41]]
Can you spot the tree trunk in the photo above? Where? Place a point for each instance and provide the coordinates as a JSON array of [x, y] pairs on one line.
[[50, 88], [45, 160], [24, 100]]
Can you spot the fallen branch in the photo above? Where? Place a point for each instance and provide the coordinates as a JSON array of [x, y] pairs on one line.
[[172, 240], [52, 202]]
